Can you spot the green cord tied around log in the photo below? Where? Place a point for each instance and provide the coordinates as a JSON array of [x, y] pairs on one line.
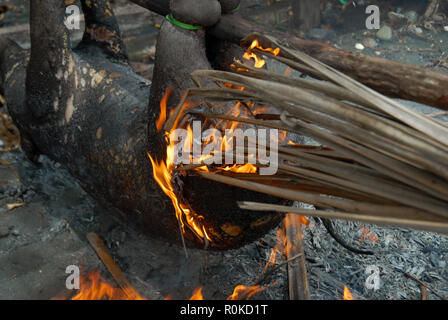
[[170, 18], [236, 9], [180, 24]]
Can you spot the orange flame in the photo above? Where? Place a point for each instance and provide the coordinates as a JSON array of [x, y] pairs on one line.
[[347, 294], [304, 220], [255, 44], [259, 62], [282, 243], [245, 168], [162, 173], [197, 294], [163, 170], [94, 288], [162, 117], [244, 292]]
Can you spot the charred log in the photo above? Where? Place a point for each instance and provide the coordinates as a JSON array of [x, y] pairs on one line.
[[87, 109]]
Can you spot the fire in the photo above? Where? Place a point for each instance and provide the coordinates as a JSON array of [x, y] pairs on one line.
[[197, 294], [304, 220], [347, 294], [162, 117], [244, 292], [255, 44], [259, 62], [94, 288], [163, 169], [162, 174], [282, 245], [246, 168]]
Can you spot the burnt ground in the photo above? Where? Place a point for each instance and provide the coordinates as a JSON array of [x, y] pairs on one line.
[[40, 239]]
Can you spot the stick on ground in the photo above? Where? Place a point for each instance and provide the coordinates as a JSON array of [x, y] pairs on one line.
[[100, 249], [297, 274]]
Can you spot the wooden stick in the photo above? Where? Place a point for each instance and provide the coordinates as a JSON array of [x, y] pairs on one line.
[[424, 293], [410, 276], [100, 249], [297, 274], [268, 272]]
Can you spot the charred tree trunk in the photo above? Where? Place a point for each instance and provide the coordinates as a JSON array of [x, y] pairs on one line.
[[306, 14], [395, 79]]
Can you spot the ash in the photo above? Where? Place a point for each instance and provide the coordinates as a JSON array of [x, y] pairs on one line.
[[48, 234]]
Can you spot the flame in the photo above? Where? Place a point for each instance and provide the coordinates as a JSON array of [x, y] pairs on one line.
[[197, 294], [347, 294], [162, 117], [255, 44], [162, 174], [259, 62], [304, 220], [282, 137], [245, 168], [242, 292], [163, 171], [292, 143], [258, 109], [94, 288], [282, 245]]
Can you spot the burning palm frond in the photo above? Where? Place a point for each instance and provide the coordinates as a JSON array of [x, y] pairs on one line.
[[378, 160]]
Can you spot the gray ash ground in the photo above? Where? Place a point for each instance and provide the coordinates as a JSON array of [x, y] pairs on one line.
[[38, 240]]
